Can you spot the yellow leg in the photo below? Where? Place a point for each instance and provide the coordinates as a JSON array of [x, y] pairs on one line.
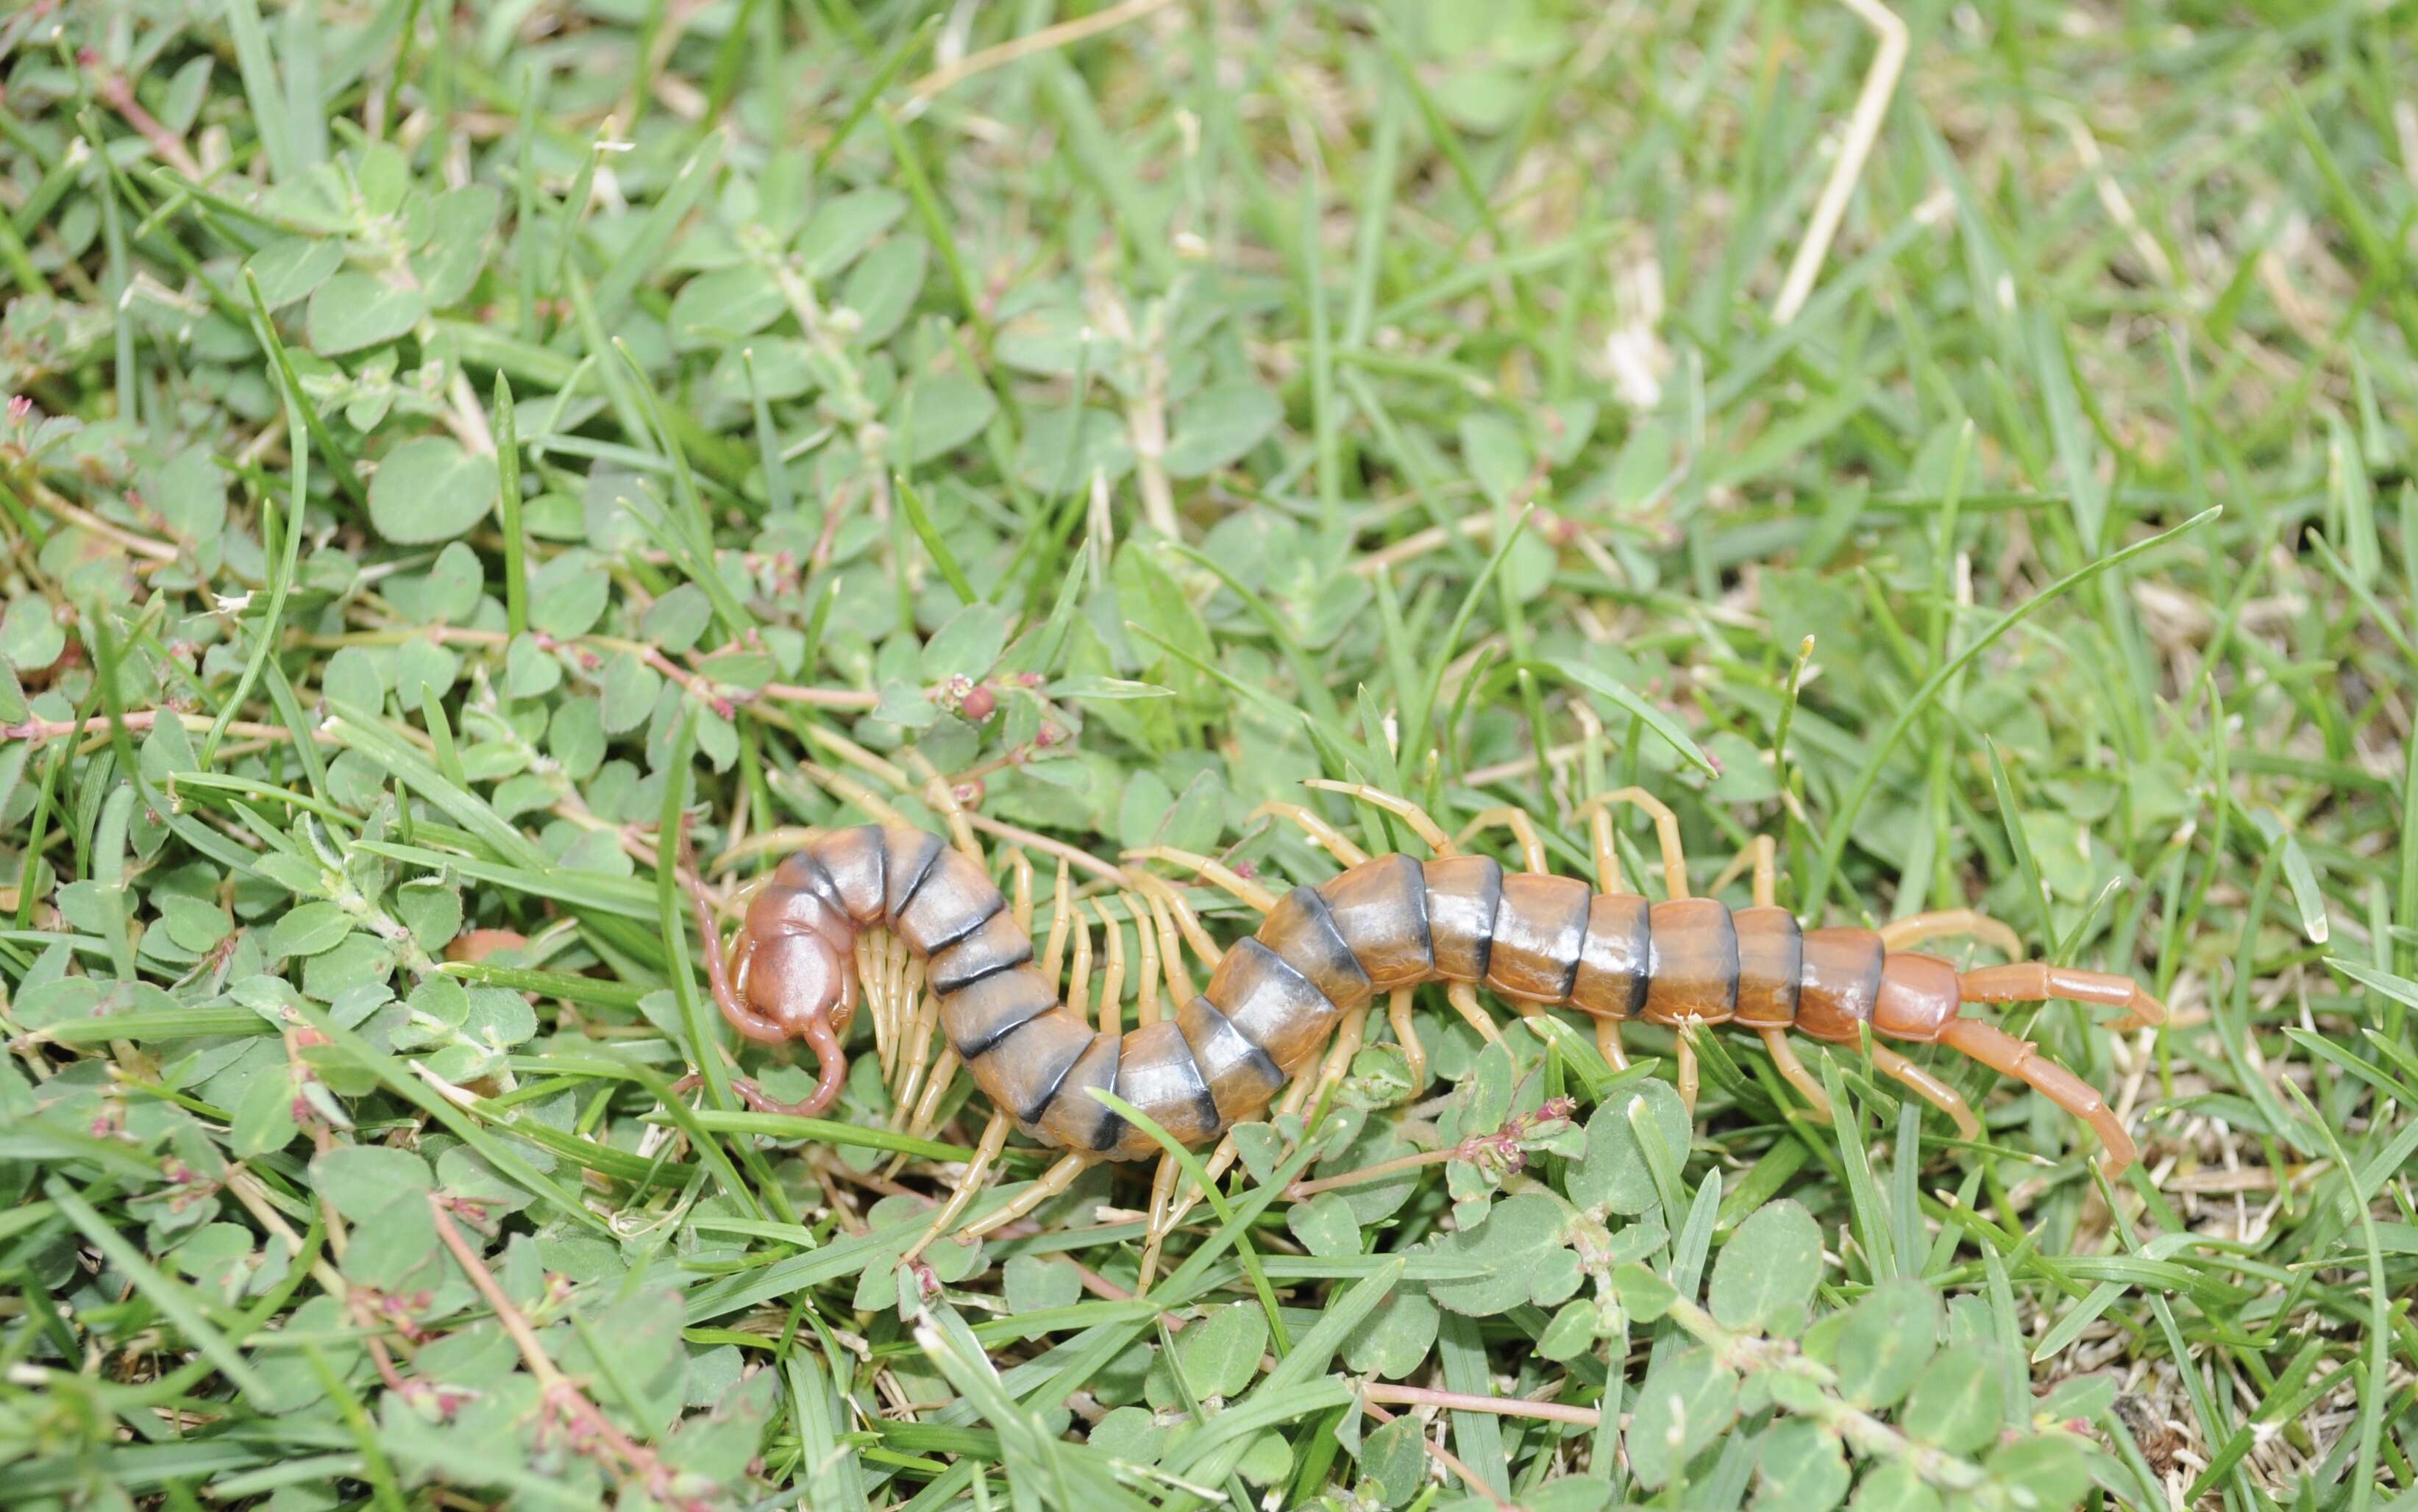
[[1061, 921], [1321, 832], [1079, 975], [937, 793], [1112, 986], [1397, 1010], [1932, 1090], [1784, 1058], [1146, 919], [1210, 870], [1162, 1194], [1338, 1064], [1019, 866], [1523, 828], [1607, 854], [1607, 1040], [1463, 998], [1409, 813], [1762, 853], [929, 1109], [1053, 1183], [1666, 834], [1917, 929], [994, 1138], [1689, 1075], [1167, 903], [1170, 949]]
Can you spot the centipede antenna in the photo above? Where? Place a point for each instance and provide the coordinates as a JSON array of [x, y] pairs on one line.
[[1322, 834], [1523, 828], [1421, 823]]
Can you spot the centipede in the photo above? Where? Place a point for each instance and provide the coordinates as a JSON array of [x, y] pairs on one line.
[[1324, 956]]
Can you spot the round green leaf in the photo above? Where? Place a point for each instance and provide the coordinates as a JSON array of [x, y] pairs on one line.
[[1957, 1403], [429, 489], [1768, 1271], [1614, 1175], [1887, 1340], [353, 310], [1218, 425], [1686, 1401]]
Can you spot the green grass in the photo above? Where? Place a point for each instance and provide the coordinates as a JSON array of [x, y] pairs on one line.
[[455, 454]]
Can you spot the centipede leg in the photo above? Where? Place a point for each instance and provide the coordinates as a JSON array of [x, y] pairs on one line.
[[2037, 981], [1523, 828], [1762, 855], [1209, 869], [1931, 1089], [2009, 1056], [1690, 1077], [1326, 836], [1607, 1042], [1162, 1194], [927, 1109], [1421, 824], [1188, 1194], [994, 1140], [1463, 998], [1338, 1064], [1783, 1059], [1053, 1183], [1666, 834], [1918, 929], [1406, 1033]]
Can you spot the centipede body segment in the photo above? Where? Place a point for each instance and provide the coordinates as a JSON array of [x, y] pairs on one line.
[[1384, 923]]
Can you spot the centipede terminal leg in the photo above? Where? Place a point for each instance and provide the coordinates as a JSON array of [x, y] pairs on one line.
[[1325, 835], [1931, 1089], [2039, 982], [2021, 1058], [1524, 830]]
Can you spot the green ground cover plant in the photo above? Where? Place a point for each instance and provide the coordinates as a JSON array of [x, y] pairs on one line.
[[461, 459]]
